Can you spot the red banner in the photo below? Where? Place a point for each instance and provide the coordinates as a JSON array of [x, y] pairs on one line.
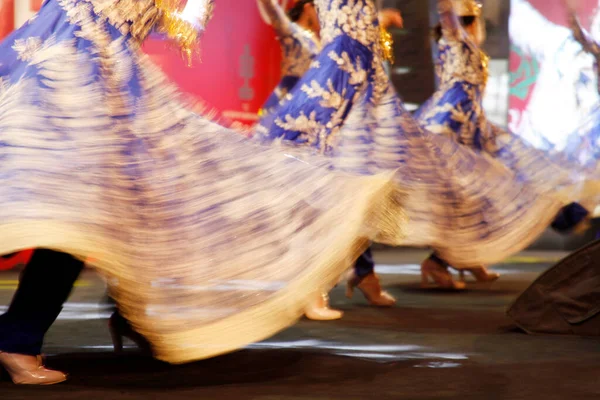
[[35, 5], [7, 17], [238, 65]]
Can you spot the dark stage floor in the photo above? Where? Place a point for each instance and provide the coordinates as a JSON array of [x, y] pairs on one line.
[[432, 345]]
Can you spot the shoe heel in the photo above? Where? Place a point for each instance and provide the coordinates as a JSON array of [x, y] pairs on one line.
[[440, 276], [424, 278], [349, 290], [116, 337], [27, 370], [318, 310]]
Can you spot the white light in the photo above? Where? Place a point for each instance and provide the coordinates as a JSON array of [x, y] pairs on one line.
[[195, 12]]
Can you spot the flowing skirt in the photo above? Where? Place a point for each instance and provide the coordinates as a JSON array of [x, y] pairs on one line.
[[285, 86], [455, 111], [468, 206], [208, 242]]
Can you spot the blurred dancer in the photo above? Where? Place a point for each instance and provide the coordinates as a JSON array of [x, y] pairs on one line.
[[583, 145], [564, 91], [208, 242], [471, 209], [456, 111], [298, 34]]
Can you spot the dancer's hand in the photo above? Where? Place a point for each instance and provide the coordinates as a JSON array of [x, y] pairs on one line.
[[390, 17]]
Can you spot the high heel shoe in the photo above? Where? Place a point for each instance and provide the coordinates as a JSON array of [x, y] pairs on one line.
[[439, 274], [583, 226], [371, 289], [29, 370], [318, 310], [481, 274], [120, 328]]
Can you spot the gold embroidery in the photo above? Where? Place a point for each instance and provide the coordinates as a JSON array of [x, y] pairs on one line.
[[357, 19], [330, 97], [386, 42], [358, 75], [462, 61], [135, 17], [307, 125]]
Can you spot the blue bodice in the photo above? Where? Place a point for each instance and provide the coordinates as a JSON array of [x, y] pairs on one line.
[[456, 108]]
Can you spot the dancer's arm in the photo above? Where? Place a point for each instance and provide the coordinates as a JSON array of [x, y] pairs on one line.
[[277, 16], [589, 44], [452, 30]]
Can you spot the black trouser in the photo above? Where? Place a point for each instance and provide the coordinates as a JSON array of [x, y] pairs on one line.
[[434, 257], [364, 265], [44, 286], [568, 217]]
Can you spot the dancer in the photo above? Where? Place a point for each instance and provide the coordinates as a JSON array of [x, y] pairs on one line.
[[469, 13], [345, 108], [300, 44], [456, 111], [208, 242], [298, 33], [582, 145], [298, 36]]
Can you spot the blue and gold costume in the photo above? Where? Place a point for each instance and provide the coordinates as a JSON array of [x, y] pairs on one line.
[[470, 208], [299, 47], [456, 111], [210, 242]]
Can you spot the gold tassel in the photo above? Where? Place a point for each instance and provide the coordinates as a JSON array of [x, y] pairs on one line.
[[182, 32], [387, 44]]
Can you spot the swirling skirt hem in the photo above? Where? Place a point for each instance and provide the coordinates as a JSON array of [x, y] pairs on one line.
[[181, 345]]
